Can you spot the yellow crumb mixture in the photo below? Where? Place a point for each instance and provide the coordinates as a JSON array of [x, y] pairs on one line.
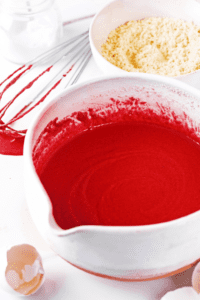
[[164, 46]]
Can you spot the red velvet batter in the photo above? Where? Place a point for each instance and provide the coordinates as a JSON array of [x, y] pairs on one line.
[[134, 171], [10, 145]]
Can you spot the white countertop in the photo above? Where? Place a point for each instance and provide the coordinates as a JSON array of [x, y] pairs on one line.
[[62, 280]]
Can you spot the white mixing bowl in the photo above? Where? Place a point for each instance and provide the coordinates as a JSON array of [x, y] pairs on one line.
[[129, 252]]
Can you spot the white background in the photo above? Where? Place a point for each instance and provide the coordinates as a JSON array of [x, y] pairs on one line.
[[62, 280]]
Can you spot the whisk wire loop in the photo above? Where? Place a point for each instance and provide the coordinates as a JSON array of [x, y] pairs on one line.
[[77, 50]]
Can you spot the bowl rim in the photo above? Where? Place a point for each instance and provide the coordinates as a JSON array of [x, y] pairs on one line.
[[28, 162], [115, 67]]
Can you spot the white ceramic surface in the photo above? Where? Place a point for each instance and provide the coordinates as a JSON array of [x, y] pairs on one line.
[[118, 12], [136, 253], [63, 280]]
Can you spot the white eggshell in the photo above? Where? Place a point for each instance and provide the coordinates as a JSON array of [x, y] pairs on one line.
[[185, 293], [29, 273], [3, 283], [196, 278]]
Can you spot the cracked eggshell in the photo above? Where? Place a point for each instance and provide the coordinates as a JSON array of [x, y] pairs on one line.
[[21, 270], [185, 293], [196, 278]]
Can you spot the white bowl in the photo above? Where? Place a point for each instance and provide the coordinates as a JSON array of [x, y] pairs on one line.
[[118, 12], [129, 252]]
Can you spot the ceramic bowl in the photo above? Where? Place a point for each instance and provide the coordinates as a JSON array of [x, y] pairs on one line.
[[118, 12], [129, 252]]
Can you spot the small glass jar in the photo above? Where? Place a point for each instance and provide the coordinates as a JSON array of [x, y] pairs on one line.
[[28, 28]]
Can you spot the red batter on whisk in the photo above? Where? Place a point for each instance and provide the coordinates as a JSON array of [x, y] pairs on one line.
[[11, 142]]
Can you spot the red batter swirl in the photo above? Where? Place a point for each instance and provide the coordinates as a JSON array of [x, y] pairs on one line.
[[137, 169]]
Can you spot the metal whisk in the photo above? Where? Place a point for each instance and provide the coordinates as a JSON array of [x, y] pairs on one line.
[[73, 55]]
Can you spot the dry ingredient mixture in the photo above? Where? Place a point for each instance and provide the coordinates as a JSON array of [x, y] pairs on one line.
[[163, 46]]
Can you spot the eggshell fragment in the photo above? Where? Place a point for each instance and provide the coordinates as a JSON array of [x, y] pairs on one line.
[[24, 272], [185, 293], [196, 278]]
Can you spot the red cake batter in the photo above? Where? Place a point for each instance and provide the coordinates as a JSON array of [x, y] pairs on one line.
[[133, 170]]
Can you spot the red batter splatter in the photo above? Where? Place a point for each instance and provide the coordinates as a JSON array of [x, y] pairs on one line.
[[11, 142]]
